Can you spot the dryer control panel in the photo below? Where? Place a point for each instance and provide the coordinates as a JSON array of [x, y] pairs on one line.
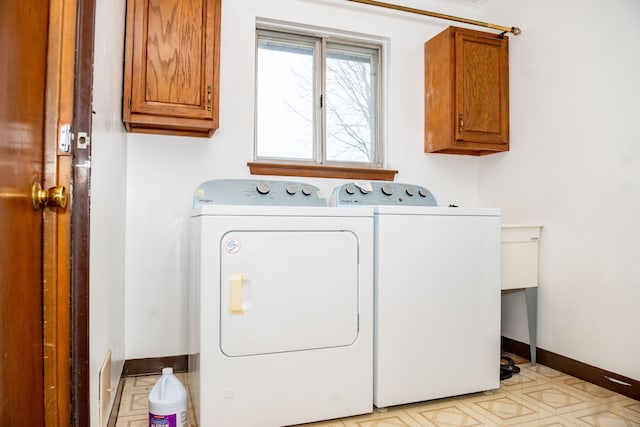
[[372, 193], [258, 193]]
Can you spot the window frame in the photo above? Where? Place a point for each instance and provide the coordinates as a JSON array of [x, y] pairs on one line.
[[320, 166]]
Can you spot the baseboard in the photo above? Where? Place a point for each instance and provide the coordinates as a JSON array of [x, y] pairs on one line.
[[600, 377], [154, 365], [507, 345]]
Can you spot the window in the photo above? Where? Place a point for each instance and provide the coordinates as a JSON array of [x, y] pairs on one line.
[[317, 101]]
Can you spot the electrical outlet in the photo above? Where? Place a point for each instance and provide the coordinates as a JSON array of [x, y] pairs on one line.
[[104, 382]]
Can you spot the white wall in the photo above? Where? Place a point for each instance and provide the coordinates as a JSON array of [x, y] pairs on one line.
[[163, 172], [108, 187], [574, 166]]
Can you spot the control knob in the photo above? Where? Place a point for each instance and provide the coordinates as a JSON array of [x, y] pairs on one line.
[[306, 190], [263, 188], [291, 189], [350, 189], [411, 191], [423, 192], [387, 190]]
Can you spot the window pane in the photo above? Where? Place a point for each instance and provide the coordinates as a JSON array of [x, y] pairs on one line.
[[351, 99], [285, 93]]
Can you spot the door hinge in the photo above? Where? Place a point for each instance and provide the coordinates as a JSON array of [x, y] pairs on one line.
[[129, 102], [321, 101], [460, 123], [209, 98]]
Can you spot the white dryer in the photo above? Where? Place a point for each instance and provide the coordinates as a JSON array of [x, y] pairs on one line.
[[281, 305], [437, 293]]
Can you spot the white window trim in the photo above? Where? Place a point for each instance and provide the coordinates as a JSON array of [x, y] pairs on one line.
[[341, 36]]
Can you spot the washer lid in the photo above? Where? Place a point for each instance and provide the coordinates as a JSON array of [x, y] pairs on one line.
[[435, 211]]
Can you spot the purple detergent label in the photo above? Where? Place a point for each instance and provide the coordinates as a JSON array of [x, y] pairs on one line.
[[162, 420]]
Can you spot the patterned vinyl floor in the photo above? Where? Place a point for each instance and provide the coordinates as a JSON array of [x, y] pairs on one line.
[[537, 396]]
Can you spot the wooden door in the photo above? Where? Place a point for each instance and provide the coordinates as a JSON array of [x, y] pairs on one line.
[[37, 41], [23, 25]]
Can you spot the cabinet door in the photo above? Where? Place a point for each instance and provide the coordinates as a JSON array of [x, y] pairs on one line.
[[171, 65], [482, 89]]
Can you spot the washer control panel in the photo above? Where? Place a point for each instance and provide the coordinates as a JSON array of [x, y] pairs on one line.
[[258, 193], [372, 193]]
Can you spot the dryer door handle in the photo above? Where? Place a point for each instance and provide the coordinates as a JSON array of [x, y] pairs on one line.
[[235, 294]]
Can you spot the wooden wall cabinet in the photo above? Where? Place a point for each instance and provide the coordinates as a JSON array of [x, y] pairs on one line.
[[466, 93], [171, 69]]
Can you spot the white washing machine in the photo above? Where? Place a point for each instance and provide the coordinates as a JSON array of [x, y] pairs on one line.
[[437, 294], [281, 305]]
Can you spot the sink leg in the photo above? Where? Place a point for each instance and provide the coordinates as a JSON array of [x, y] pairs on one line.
[[531, 297]]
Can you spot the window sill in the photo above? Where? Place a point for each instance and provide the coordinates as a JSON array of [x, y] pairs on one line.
[[290, 169]]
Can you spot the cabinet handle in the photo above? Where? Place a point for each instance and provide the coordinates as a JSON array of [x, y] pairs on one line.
[[208, 98], [460, 123]]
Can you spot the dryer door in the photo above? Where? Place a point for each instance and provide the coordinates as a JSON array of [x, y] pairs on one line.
[[284, 291]]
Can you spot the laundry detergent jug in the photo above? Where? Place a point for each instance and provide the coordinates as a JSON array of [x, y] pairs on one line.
[[168, 402]]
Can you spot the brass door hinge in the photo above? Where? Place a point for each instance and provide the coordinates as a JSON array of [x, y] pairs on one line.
[[209, 98], [460, 123]]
